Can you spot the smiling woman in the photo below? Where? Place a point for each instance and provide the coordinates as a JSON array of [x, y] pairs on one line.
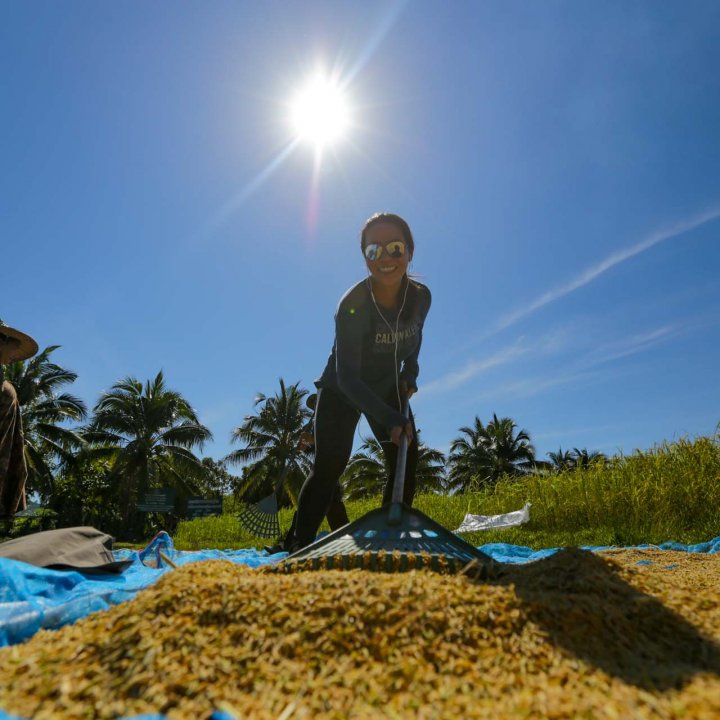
[[372, 370], [320, 113]]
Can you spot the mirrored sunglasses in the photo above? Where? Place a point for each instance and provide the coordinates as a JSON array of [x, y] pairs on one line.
[[374, 251]]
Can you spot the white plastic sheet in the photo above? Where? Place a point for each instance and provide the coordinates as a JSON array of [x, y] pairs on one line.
[[474, 523]]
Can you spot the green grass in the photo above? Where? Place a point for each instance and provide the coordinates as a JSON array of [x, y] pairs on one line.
[[669, 493]]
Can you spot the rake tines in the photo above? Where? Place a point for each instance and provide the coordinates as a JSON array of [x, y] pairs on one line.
[[261, 518], [380, 542]]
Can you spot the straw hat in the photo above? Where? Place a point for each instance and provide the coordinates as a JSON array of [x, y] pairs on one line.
[[15, 345]]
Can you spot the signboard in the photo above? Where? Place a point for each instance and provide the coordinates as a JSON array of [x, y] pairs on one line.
[[162, 500], [200, 507]]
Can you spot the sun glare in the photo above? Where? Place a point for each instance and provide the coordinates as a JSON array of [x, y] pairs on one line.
[[320, 113]]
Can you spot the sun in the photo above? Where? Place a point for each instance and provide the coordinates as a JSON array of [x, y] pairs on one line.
[[320, 113]]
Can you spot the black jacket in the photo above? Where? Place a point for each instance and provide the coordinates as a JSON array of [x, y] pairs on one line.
[[363, 364]]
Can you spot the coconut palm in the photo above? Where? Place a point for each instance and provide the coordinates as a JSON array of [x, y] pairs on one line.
[[469, 457], [45, 411], [488, 452], [430, 474], [149, 432], [270, 438], [511, 452], [582, 458], [561, 460], [366, 472], [365, 475]]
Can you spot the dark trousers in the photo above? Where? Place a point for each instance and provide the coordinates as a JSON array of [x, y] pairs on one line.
[[335, 424], [336, 516]]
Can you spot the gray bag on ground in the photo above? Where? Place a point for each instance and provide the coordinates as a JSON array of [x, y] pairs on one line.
[[84, 549]]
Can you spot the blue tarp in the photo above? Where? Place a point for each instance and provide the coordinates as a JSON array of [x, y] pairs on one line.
[[32, 598], [504, 553]]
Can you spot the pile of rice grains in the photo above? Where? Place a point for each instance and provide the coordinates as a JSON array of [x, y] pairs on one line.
[[577, 635]]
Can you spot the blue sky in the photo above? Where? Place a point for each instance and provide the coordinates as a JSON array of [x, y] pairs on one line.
[[558, 162]]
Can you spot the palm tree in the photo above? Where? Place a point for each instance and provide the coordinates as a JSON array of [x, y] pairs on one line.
[[489, 452], [149, 432], [44, 407], [583, 458], [366, 473], [561, 461], [469, 457], [430, 474], [270, 439], [511, 452]]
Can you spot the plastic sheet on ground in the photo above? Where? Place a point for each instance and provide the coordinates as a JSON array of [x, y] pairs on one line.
[[476, 523]]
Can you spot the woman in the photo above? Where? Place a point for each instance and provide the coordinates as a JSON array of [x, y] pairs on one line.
[[372, 366]]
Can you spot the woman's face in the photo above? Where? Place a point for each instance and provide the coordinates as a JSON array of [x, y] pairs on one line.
[[387, 270]]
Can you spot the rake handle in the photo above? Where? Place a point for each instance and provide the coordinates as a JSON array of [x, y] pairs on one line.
[[281, 480], [395, 513]]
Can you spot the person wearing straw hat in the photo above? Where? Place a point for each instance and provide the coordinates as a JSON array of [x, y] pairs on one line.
[[14, 346], [372, 369]]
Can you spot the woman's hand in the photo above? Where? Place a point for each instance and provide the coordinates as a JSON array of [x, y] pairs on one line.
[[306, 441], [397, 432], [405, 391]]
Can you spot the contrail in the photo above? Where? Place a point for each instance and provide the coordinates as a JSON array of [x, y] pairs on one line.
[[635, 344], [460, 377], [547, 345], [590, 274]]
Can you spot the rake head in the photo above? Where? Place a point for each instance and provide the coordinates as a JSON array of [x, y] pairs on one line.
[[261, 518], [394, 538]]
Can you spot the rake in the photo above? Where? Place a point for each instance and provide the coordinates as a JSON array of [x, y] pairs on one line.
[[393, 538], [261, 518]]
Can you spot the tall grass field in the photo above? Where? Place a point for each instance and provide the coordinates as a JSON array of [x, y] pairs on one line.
[[669, 493]]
